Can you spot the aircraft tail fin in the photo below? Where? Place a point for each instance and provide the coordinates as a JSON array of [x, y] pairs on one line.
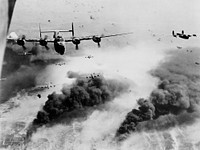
[[72, 29], [40, 31], [182, 31], [173, 33], [194, 35], [50, 31]]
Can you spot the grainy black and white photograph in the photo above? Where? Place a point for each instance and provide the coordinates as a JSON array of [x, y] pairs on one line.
[[99, 75]]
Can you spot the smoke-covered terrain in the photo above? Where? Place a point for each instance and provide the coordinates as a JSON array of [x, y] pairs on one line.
[[175, 102], [20, 71], [83, 93], [136, 92], [83, 104]]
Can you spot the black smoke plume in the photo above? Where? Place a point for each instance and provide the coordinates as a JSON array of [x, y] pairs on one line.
[[84, 93], [174, 102]]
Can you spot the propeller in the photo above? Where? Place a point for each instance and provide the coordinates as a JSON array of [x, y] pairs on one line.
[[21, 41], [43, 42], [76, 47], [46, 47], [45, 38], [76, 41], [23, 47], [97, 40]]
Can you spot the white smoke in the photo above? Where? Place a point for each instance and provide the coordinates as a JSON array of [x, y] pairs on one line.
[[186, 137], [130, 64]]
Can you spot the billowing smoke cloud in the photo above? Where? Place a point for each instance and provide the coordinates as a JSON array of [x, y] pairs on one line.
[[82, 94], [20, 71], [174, 102]]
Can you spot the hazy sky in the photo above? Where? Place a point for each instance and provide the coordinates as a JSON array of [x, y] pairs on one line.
[[135, 15]]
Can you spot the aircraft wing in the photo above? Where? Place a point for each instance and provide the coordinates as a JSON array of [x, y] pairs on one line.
[[120, 34], [80, 38], [86, 38], [37, 40], [90, 37], [70, 40], [32, 40]]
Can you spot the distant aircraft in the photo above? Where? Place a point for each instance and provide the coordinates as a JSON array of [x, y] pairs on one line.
[[183, 35], [60, 64], [189, 51], [179, 47], [45, 86], [93, 76], [58, 40], [89, 56]]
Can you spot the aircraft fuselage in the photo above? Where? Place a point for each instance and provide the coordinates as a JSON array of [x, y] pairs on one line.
[[183, 36], [59, 45]]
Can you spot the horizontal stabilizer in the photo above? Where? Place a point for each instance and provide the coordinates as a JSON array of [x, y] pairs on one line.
[[50, 31]]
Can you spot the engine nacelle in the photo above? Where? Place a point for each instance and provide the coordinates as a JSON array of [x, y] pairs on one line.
[[76, 41], [21, 42], [96, 39], [43, 42]]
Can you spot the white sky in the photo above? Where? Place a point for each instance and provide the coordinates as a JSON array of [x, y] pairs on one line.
[[135, 15]]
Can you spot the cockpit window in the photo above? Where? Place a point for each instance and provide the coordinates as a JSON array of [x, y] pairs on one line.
[[60, 39]]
